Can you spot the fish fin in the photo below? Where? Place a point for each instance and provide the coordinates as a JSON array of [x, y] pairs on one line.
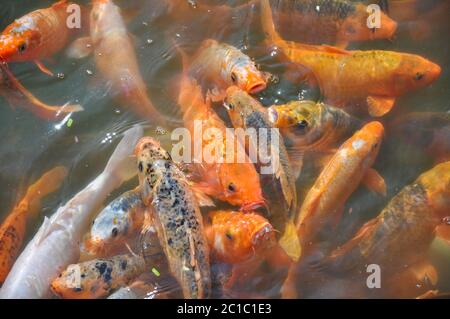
[[443, 232], [374, 182], [80, 48], [290, 241], [429, 294], [39, 108], [379, 105], [59, 4], [425, 272], [296, 159], [342, 44], [43, 231], [289, 288], [267, 23], [47, 184], [43, 68], [203, 199], [332, 49], [121, 165]]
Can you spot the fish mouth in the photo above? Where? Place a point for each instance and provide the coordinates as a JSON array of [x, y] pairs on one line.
[[264, 235], [254, 88], [247, 207]]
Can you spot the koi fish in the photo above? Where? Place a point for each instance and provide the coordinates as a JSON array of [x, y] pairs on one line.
[[17, 95], [12, 230], [375, 77], [311, 127], [116, 59], [37, 35], [116, 224], [232, 181], [236, 237], [222, 65], [97, 278], [324, 202], [429, 131], [56, 244], [176, 216], [245, 112], [329, 21], [402, 233]]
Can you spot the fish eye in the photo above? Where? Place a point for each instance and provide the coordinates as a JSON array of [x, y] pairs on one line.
[[231, 187], [350, 29], [114, 232], [419, 76], [234, 77], [22, 47], [228, 235], [302, 124], [141, 167]]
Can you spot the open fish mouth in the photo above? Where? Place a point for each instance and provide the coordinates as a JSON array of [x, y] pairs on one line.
[[256, 87], [247, 207]]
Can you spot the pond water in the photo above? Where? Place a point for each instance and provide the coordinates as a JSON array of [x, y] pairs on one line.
[[31, 146]]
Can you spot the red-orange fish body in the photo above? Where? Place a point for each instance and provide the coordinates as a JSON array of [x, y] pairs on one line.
[[38, 34]]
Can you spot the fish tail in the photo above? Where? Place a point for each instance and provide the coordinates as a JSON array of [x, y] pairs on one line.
[[121, 165], [290, 241], [267, 23]]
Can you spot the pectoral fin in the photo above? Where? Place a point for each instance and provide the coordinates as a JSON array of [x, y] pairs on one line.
[[80, 48], [443, 232], [374, 182], [43, 68], [379, 105], [296, 160], [203, 199], [290, 241]]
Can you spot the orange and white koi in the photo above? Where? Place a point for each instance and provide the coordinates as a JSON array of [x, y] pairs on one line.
[[97, 278]]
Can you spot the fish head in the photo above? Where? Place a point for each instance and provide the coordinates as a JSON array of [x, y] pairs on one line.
[[105, 17], [355, 26], [151, 160], [248, 78], [240, 185], [20, 41], [437, 185], [366, 143], [239, 105], [414, 72], [239, 236], [300, 115], [109, 229]]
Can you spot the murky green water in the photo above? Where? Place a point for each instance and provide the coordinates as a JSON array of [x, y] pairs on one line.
[[31, 146]]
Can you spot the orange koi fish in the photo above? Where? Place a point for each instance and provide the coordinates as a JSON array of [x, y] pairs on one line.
[[97, 278], [236, 237], [116, 59], [402, 233], [223, 65], [13, 229], [338, 180], [375, 77], [16, 94], [329, 21], [232, 182], [37, 35]]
